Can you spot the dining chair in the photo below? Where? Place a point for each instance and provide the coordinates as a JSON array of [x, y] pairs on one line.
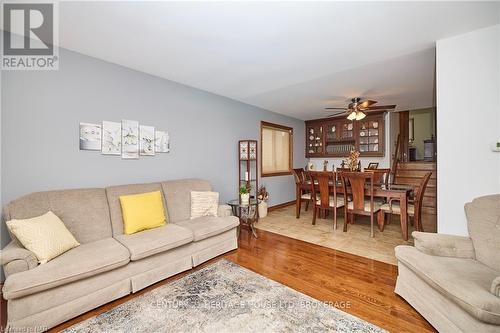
[[325, 192], [302, 193], [359, 183], [414, 210], [380, 176]]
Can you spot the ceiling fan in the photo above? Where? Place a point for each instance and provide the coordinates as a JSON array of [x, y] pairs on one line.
[[357, 109]]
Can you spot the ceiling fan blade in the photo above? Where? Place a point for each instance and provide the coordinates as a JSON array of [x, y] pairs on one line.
[[374, 110], [381, 107], [335, 109], [365, 104], [336, 113], [378, 110]]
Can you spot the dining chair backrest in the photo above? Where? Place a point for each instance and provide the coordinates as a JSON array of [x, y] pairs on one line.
[[419, 194], [298, 175], [358, 182], [378, 175], [340, 170], [321, 188]]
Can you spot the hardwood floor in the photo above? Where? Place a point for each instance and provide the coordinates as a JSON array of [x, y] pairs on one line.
[[357, 285], [366, 285]]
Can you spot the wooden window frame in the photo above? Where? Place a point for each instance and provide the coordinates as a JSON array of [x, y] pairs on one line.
[[290, 153]]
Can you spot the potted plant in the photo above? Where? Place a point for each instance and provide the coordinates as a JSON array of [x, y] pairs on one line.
[[245, 194], [263, 196]]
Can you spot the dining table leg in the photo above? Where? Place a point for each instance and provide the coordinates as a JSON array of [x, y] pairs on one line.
[[404, 215]]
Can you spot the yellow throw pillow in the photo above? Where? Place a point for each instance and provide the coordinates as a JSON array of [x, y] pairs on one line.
[[46, 236], [142, 211]]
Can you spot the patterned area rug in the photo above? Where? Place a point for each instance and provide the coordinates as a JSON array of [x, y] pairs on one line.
[[224, 297]]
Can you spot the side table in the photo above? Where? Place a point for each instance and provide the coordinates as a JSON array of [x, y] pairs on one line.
[[247, 213]]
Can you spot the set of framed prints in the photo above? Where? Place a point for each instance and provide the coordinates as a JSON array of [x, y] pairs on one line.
[[126, 138]]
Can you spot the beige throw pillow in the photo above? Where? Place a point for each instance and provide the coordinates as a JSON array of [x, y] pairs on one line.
[[46, 236], [204, 203]]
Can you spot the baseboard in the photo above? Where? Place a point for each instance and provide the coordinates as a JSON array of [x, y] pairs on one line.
[[282, 205]]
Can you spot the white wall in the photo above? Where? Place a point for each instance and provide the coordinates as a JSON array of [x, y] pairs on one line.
[[468, 121], [384, 162]]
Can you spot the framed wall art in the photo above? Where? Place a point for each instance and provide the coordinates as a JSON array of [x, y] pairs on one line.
[[90, 136], [130, 139], [162, 142], [111, 138], [147, 140]]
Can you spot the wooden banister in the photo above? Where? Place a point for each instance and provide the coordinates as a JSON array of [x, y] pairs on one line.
[[396, 159]]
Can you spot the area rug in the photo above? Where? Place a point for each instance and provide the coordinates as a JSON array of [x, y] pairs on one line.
[[224, 297]]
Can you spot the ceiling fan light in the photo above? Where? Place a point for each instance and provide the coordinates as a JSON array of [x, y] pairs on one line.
[[360, 115], [352, 115]]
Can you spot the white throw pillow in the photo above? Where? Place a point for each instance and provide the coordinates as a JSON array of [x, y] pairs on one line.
[[46, 236], [204, 203]]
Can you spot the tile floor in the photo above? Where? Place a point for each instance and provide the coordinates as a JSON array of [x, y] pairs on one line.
[[356, 240]]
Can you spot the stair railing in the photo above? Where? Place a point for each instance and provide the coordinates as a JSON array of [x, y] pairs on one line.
[[396, 159]]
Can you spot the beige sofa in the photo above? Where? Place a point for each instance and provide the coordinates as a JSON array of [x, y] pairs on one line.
[[108, 264], [454, 282]]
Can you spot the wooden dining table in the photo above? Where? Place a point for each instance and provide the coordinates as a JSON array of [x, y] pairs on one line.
[[400, 192]]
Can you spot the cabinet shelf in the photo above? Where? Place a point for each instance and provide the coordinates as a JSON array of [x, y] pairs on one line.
[[340, 142], [336, 137]]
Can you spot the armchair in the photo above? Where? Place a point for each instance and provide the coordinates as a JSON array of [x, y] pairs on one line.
[[454, 281]]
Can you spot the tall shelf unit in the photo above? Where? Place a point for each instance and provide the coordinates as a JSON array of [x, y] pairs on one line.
[[248, 169]]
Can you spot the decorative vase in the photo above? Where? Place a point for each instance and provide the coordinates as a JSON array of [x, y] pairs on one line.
[[245, 198], [262, 209]]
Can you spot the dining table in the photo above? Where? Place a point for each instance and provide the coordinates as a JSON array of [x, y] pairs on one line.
[[400, 192]]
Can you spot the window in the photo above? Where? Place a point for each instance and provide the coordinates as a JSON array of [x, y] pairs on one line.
[[277, 143]]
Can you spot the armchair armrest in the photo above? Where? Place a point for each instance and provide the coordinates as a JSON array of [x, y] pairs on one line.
[[495, 287], [16, 258], [444, 245], [224, 210]]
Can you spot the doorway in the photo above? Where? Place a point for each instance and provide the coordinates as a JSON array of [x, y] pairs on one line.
[[414, 134]]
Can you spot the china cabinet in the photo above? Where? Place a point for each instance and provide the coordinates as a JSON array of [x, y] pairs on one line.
[[314, 140], [336, 137]]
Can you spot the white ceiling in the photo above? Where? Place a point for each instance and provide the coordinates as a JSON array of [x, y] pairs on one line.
[[293, 58]]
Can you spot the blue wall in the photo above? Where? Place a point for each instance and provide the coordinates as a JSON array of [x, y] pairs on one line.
[[41, 112]]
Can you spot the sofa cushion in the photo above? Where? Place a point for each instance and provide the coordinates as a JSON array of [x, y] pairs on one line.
[[466, 282], [115, 209], [483, 223], [204, 203], [81, 262], [149, 242], [85, 212], [178, 196], [46, 236], [142, 211], [208, 226]]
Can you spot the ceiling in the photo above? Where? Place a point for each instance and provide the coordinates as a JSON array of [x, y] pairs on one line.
[[293, 58]]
